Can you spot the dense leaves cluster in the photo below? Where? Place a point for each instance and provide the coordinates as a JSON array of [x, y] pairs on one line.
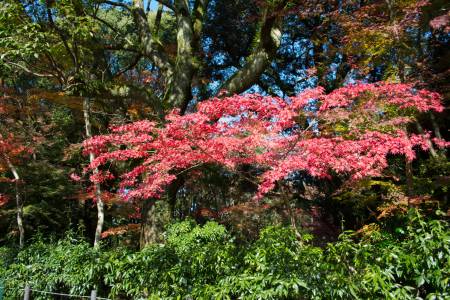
[[204, 262]]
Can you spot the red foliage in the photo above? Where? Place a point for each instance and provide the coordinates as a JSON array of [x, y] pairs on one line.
[[121, 230], [11, 145], [441, 22], [350, 132], [3, 199]]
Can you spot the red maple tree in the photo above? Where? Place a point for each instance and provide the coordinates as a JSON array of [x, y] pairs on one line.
[[348, 132]]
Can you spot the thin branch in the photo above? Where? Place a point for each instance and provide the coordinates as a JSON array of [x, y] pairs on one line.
[[24, 68], [158, 19], [61, 35], [110, 26], [120, 47], [190, 168], [58, 70], [129, 67], [127, 7], [167, 3]]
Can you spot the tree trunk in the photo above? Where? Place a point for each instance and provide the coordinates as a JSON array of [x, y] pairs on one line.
[[19, 202], [429, 142], [98, 192], [179, 91], [155, 215], [409, 180]]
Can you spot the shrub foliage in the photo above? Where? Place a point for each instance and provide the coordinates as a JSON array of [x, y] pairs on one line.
[[205, 262]]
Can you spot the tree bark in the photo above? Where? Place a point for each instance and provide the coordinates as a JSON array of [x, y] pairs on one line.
[[19, 202], [269, 41], [149, 48], [155, 215], [179, 91], [179, 76], [409, 180], [429, 142], [97, 188]]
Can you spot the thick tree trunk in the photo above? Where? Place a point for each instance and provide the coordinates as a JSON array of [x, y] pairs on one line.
[[155, 215], [19, 202], [98, 196], [149, 48], [179, 91]]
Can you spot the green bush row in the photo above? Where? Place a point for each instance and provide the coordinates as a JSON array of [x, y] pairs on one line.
[[204, 262]]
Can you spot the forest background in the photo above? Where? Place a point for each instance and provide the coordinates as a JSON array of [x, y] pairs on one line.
[[259, 149]]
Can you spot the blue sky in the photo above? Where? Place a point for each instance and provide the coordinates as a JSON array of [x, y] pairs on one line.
[[153, 4]]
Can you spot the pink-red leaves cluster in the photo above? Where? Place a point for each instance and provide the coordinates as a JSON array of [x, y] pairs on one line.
[[11, 147], [3, 199], [350, 131]]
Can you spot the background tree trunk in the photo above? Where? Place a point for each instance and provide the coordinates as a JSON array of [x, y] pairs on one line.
[[19, 202], [155, 214], [98, 192]]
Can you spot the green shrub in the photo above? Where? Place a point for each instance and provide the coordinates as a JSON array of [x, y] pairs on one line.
[[204, 262], [66, 266], [192, 257], [415, 264]]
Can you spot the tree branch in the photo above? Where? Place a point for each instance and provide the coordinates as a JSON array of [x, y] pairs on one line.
[[61, 35], [269, 41], [127, 7], [199, 13], [129, 67], [24, 68], [158, 17], [105, 23], [167, 3], [149, 49]]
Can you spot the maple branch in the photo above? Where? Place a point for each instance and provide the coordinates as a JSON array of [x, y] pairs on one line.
[[190, 168], [299, 136]]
